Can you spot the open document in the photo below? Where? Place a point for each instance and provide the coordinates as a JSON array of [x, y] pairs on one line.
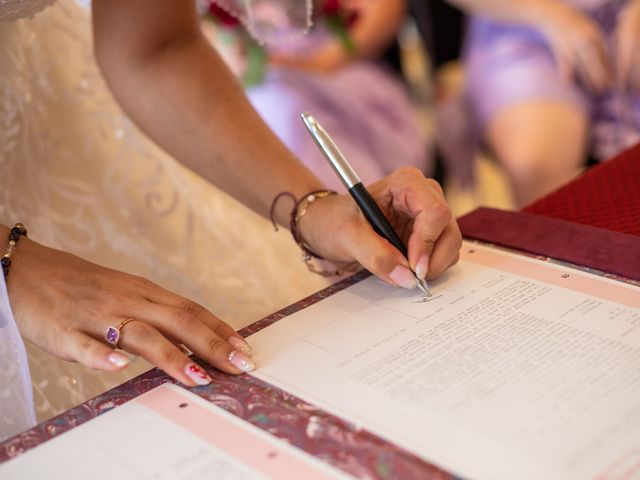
[[167, 433], [515, 368]]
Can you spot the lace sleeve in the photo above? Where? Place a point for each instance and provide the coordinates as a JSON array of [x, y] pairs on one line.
[[16, 407], [15, 9]]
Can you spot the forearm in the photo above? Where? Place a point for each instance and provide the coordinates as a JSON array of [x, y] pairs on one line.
[[526, 12], [176, 88]]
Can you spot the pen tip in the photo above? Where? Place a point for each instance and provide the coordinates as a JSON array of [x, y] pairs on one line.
[[422, 285]]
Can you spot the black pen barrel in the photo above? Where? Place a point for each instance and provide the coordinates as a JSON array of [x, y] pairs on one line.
[[375, 216]]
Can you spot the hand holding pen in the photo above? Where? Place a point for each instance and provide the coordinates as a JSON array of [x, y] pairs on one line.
[[402, 207]]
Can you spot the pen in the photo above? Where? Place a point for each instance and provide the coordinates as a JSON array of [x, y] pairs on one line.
[[357, 190]]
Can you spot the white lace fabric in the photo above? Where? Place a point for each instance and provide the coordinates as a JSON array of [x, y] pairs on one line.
[[83, 179], [15, 9], [16, 398]]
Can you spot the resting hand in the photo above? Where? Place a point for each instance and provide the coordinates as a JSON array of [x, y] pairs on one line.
[[336, 229], [627, 42], [577, 44], [65, 305]]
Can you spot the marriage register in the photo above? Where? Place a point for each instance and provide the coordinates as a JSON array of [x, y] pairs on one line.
[[514, 368]]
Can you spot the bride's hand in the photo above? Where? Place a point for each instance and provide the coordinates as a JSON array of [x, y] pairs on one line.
[[336, 229], [65, 305]]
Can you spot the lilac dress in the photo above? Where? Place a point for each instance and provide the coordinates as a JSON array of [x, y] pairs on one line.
[[508, 64], [364, 107]]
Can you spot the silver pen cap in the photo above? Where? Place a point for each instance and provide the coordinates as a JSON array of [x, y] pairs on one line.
[[331, 152]]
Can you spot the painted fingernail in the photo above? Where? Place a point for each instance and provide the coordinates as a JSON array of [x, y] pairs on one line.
[[241, 361], [118, 360], [197, 374], [422, 267], [403, 277], [240, 344]]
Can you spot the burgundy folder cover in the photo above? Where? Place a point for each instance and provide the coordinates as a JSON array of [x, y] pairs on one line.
[[584, 245], [605, 196]]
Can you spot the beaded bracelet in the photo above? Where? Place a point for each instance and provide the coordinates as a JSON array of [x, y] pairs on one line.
[[300, 207], [14, 236]]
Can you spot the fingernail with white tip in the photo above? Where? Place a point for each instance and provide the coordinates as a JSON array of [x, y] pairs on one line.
[[241, 361], [118, 360], [197, 374], [422, 267], [403, 277], [239, 343]]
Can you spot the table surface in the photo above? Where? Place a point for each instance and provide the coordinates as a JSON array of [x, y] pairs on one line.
[[594, 198]]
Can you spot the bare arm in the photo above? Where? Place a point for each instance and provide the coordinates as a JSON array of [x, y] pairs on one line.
[[176, 88], [520, 11]]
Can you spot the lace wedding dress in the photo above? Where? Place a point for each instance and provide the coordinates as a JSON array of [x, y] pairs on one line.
[[83, 179]]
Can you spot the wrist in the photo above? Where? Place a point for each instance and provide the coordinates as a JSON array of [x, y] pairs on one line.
[[307, 225], [15, 234], [304, 231], [280, 213]]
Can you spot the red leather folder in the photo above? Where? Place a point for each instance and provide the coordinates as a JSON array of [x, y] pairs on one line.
[[593, 221], [606, 196]]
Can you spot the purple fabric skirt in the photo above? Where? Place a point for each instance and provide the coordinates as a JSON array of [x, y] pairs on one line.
[[508, 65], [362, 106]]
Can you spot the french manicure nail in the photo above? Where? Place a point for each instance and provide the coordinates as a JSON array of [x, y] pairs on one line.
[[403, 277], [422, 267], [197, 374], [241, 361], [240, 344], [118, 360]]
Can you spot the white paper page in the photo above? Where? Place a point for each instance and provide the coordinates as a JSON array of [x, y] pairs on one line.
[[521, 369], [167, 433]]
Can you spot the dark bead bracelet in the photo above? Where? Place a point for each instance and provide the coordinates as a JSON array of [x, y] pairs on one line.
[[14, 236]]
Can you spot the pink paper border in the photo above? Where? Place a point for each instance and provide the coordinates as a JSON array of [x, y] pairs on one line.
[[270, 458], [576, 281]]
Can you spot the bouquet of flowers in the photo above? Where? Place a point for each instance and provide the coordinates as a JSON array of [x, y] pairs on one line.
[[244, 54], [248, 58]]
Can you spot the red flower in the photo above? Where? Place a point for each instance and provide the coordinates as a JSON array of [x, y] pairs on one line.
[[224, 17], [331, 7], [352, 19]]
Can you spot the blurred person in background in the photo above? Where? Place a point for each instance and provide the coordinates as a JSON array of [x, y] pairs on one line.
[[551, 82]]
